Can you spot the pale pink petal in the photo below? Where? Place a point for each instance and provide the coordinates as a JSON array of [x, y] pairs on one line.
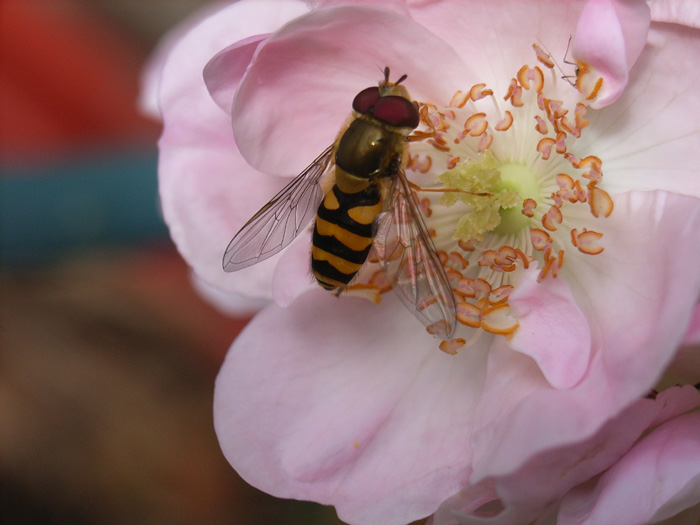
[[640, 292], [650, 137], [637, 298], [347, 403], [328, 56], [495, 38], [224, 72], [395, 5], [153, 68], [683, 12], [609, 37], [525, 494], [553, 330], [658, 478], [207, 190], [228, 303], [255, 19], [292, 275]]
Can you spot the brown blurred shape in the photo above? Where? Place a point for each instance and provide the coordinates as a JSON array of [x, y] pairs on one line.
[[106, 378]]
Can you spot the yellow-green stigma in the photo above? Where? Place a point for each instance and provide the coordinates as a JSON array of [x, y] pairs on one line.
[[493, 193], [522, 181]]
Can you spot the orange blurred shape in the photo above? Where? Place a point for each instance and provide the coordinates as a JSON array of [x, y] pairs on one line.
[[69, 80]]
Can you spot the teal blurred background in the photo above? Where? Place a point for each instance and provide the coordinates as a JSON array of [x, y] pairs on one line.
[[108, 358]]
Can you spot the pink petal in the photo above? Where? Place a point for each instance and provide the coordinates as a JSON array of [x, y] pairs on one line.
[[258, 19], [395, 5], [224, 72], [525, 494], [641, 309], [228, 303], [495, 38], [676, 11], [292, 275], [207, 190], [347, 403], [655, 480], [298, 91], [553, 330], [150, 77], [648, 139], [637, 297], [609, 37]]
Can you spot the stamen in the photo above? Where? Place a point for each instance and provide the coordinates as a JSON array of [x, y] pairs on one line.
[[477, 92], [513, 180], [476, 124], [450, 347], [505, 123], [498, 320], [600, 201], [585, 242], [543, 57]]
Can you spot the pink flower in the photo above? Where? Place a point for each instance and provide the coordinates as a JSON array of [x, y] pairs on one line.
[[575, 280], [654, 480], [612, 477]]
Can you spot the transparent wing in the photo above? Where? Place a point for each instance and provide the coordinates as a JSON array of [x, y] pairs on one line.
[[411, 264], [278, 222]]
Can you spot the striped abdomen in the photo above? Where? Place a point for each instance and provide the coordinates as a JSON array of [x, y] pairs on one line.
[[343, 234]]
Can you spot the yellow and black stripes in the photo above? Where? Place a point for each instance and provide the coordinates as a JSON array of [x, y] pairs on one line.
[[343, 234]]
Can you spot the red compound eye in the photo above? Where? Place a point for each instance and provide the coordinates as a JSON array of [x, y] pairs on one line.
[[365, 99], [396, 111]]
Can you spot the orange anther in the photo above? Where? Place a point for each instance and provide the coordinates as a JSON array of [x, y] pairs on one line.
[[531, 77], [450, 347], [540, 239], [457, 259], [580, 113], [543, 56], [469, 314], [459, 99], [485, 142], [477, 92], [552, 218], [544, 146], [586, 242], [529, 206], [600, 202], [476, 124], [506, 122], [515, 94], [500, 294], [498, 320], [467, 246], [541, 125]]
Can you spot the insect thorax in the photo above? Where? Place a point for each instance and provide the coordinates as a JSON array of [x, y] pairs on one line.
[[368, 150]]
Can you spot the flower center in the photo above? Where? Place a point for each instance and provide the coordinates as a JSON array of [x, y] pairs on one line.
[[494, 193], [516, 188], [522, 181]]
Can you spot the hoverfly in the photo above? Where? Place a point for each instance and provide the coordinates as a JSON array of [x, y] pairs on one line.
[[370, 206]]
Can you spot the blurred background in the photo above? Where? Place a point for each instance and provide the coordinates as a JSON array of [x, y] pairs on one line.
[[108, 358]]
